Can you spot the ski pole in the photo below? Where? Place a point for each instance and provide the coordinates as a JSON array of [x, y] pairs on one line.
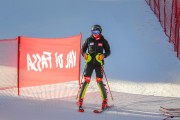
[[107, 83], [80, 86]]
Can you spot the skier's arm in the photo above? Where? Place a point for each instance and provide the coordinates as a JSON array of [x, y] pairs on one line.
[[107, 49], [84, 47]]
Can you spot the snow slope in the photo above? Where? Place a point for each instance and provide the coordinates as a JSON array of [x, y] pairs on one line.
[[142, 65], [127, 107]]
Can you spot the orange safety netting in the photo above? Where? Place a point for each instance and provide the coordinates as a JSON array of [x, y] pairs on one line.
[[168, 13], [8, 65]]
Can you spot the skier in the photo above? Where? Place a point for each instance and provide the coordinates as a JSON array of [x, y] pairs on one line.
[[94, 58]]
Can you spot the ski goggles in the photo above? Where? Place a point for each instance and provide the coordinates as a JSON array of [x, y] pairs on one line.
[[95, 32]]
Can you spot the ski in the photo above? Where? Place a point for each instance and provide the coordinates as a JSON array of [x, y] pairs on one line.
[[170, 112], [169, 115], [170, 109], [98, 110], [102, 110]]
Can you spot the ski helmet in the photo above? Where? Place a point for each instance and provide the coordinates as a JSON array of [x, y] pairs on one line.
[[96, 27]]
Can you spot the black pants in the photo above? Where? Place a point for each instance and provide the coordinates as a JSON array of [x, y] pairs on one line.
[[89, 70], [99, 74]]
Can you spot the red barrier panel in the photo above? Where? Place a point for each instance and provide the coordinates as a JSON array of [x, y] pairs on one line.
[[45, 61], [168, 13]]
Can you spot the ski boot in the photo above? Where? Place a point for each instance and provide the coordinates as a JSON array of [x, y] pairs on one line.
[[80, 105], [104, 104]]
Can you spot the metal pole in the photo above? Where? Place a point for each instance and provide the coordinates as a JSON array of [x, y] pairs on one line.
[[107, 83], [80, 85]]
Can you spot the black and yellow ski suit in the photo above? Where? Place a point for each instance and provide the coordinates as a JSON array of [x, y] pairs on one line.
[[94, 47]]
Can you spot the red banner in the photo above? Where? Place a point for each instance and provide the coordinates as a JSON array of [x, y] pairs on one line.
[[44, 61]]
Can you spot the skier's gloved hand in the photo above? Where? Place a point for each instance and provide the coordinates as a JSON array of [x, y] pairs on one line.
[[87, 57], [99, 58]]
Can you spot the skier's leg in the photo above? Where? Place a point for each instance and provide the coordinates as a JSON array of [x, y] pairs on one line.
[[83, 90], [87, 79], [101, 85], [103, 93]]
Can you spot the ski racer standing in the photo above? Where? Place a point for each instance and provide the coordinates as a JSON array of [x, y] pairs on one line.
[[98, 49]]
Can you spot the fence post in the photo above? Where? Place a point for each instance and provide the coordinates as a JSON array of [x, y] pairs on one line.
[[172, 11], [164, 16], [18, 57], [178, 27]]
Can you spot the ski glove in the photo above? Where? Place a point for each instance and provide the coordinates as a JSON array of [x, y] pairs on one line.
[[87, 58], [99, 58]]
